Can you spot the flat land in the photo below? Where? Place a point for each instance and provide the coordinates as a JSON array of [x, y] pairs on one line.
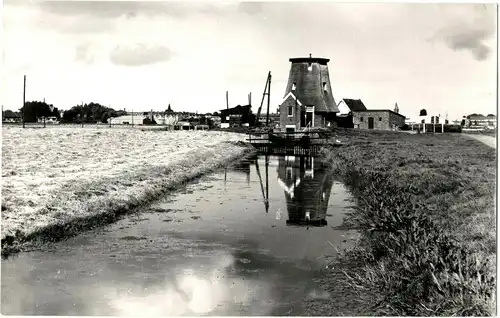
[[426, 212], [54, 176]]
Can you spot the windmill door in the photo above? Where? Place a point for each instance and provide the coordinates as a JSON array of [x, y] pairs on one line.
[[370, 122], [309, 119]]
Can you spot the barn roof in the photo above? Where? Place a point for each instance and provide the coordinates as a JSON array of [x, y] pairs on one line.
[[355, 104], [237, 110]]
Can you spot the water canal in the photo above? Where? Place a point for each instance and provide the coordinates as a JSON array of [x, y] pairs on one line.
[[246, 240]]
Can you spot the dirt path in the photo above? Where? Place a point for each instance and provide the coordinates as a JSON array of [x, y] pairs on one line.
[[487, 140]]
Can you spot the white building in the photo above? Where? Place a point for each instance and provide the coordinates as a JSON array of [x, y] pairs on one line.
[[127, 120], [138, 119]]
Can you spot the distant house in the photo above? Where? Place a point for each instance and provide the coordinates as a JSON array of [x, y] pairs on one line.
[[378, 119], [132, 118], [184, 125], [236, 116], [480, 121], [48, 120], [9, 116]]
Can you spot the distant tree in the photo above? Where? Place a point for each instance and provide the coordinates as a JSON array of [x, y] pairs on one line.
[[423, 112], [35, 109], [490, 115], [90, 113], [215, 114], [148, 121]]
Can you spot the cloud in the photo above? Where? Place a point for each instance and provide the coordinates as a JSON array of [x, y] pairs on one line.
[[471, 39], [250, 7], [131, 9], [469, 28], [83, 54], [139, 55]]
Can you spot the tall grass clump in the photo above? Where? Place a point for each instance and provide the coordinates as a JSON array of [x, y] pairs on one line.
[[425, 249]]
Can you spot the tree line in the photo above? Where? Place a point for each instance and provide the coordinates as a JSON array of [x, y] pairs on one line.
[[86, 113]]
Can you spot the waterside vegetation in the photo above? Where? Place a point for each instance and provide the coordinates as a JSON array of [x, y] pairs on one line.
[[426, 213]]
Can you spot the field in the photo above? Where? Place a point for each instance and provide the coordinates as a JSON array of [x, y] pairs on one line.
[[426, 212], [58, 180]]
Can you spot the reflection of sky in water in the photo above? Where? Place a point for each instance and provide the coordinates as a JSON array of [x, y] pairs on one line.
[[233, 258], [191, 293]]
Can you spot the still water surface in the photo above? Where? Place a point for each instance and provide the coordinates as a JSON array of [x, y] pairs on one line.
[[246, 240]]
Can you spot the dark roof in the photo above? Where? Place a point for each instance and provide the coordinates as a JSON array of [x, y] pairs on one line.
[[11, 114], [355, 104], [318, 60], [380, 110], [237, 110]]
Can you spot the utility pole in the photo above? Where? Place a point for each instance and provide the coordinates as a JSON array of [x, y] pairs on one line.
[[24, 99], [227, 100], [82, 113]]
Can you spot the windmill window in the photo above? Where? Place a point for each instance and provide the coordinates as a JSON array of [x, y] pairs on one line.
[[290, 111], [293, 86], [380, 119], [324, 87], [360, 118]]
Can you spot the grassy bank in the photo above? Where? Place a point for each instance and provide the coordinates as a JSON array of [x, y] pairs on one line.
[[426, 211], [58, 191]]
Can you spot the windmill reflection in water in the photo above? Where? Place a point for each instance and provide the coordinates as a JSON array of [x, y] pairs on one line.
[[307, 186]]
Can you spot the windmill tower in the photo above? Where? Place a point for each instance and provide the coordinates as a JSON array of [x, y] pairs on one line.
[[308, 100]]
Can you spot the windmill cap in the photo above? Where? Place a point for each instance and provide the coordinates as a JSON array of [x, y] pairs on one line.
[[319, 60]]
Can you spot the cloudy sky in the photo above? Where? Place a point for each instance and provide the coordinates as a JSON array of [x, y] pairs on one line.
[[144, 55]]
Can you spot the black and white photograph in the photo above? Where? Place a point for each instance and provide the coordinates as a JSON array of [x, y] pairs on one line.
[[248, 158]]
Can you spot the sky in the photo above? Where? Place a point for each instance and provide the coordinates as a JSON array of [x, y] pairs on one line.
[[140, 55]]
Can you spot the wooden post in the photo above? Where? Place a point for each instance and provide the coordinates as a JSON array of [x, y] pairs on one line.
[[227, 100], [268, 98], [24, 98], [44, 126]]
